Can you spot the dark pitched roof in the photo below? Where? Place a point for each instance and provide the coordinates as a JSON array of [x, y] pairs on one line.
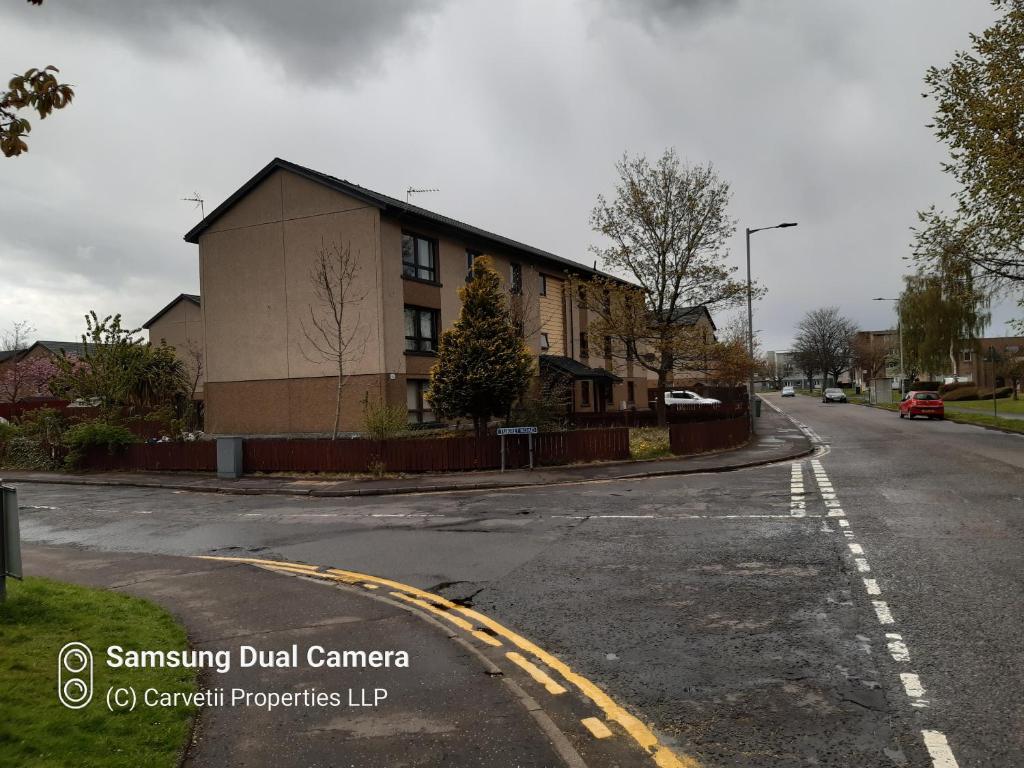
[[76, 348], [576, 369], [194, 298], [7, 354], [389, 205], [692, 315]]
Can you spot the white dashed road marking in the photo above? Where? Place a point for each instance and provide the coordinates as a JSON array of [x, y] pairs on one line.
[[935, 741]]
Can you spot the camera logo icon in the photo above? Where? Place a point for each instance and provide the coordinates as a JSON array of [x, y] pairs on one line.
[[74, 675]]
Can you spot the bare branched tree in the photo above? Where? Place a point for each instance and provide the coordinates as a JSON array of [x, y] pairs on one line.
[[13, 381], [334, 332], [825, 339], [665, 230]]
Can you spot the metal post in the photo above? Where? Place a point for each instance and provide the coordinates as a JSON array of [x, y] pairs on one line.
[[502, 453], [903, 370], [750, 339], [529, 437], [995, 408]]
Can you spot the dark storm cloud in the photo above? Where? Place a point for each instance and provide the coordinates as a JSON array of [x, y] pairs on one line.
[[309, 39]]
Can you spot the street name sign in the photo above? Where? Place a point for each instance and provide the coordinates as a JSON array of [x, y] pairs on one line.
[[517, 430]]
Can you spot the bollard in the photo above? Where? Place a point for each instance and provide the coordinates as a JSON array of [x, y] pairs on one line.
[[10, 539]]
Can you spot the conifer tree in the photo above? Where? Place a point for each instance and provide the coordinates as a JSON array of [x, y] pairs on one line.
[[483, 365]]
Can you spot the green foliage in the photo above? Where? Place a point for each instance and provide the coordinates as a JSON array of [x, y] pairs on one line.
[[37, 731], [547, 408], [649, 443], [95, 434], [382, 421], [37, 443], [941, 308], [119, 369], [980, 116], [483, 365], [36, 89]]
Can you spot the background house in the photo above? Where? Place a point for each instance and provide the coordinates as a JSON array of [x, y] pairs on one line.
[[180, 325]]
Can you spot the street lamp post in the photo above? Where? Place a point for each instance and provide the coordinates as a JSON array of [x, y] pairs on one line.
[[750, 319], [995, 408], [899, 324]]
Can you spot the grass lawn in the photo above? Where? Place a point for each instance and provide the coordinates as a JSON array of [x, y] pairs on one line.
[[648, 443], [1004, 404], [981, 419], [36, 730]]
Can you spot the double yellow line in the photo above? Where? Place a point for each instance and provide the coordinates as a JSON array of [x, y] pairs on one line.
[[457, 615]]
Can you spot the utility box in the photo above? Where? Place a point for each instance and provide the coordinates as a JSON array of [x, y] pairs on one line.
[[229, 458]]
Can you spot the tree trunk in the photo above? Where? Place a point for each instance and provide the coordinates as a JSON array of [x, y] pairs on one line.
[[953, 360], [659, 404], [337, 409]]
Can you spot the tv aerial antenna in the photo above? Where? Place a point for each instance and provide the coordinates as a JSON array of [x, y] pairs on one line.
[[413, 191], [198, 201]]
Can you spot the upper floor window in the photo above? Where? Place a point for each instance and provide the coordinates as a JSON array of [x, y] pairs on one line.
[[419, 257], [543, 285], [471, 256], [545, 342], [516, 278], [967, 355], [584, 344], [421, 329], [607, 347], [582, 292]]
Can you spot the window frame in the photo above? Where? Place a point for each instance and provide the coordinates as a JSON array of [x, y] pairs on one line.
[[585, 392], [417, 339], [515, 278], [968, 356], [585, 345], [472, 255], [543, 284], [545, 341], [421, 402], [631, 392], [414, 265]]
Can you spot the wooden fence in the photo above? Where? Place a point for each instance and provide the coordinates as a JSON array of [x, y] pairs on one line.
[[703, 436], [197, 456], [444, 454]]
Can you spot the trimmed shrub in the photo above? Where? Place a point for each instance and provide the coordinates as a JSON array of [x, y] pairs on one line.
[[95, 434], [960, 393], [986, 394]]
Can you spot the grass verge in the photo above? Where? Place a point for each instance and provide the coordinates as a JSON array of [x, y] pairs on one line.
[[978, 419], [36, 730], [1005, 405], [647, 443]]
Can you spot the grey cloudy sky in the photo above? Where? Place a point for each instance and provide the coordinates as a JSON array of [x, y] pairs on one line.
[[516, 111]]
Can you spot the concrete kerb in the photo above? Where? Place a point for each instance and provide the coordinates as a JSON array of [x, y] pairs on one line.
[[447, 487], [313, 492]]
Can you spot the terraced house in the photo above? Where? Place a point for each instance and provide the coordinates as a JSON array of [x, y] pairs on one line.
[[256, 251]]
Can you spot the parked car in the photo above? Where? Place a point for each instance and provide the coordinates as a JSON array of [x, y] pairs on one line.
[[686, 397], [833, 395], [922, 404], [788, 391]]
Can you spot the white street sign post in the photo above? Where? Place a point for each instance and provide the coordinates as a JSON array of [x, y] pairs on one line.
[[528, 431], [10, 539]]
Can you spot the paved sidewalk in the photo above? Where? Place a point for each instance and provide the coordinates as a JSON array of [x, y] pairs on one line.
[[777, 439], [447, 708]]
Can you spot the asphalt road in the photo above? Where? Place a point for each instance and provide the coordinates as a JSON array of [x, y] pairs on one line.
[[730, 610]]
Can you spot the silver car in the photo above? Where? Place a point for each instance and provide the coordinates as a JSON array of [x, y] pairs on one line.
[[833, 395]]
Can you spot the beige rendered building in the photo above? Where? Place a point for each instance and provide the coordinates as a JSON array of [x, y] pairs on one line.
[[180, 325], [256, 250]]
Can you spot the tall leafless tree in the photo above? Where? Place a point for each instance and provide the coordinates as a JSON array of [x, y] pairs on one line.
[[826, 337], [334, 333]]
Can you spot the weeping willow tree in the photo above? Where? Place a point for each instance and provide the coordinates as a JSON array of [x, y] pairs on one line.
[[942, 307]]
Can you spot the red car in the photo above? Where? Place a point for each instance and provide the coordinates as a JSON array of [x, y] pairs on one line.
[[922, 404]]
